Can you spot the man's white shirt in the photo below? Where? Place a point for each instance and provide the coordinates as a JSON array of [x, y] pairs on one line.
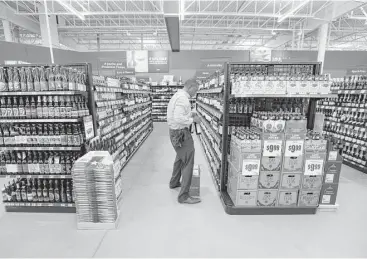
[[179, 111]]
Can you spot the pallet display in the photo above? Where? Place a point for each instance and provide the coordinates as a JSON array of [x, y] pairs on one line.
[[161, 94], [45, 123], [259, 152], [124, 119], [346, 119]]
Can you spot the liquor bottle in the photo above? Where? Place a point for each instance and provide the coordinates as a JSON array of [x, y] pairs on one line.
[[63, 193], [18, 192], [51, 79], [34, 191], [68, 192], [19, 169], [30, 79], [39, 107], [9, 109], [27, 108], [29, 192], [16, 80], [43, 72], [36, 79], [51, 192], [3, 84], [23, 79], [23, 191], [57, 191], [15, 109], [33, 108], [64, 77], [68, 107], [56, 107], [10, 79], [58, 78], [21, 109], [39, 191], [45, 193]]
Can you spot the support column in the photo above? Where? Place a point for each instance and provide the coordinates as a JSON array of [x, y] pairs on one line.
[[323, 38], [53, 28], [7, 31], [16, 34], [98, 42]]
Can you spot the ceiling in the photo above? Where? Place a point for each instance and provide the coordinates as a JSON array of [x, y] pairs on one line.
[[216, 24]]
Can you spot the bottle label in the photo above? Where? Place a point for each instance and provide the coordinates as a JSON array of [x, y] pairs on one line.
[[2, 87], [37, 86], [21, 112], [57, 112], [71, 86], [3, 112], [52, 197], [45, 112], [16, 87], [9, 112], [30, 196], [51, 112], [23, 86], [44, 86], [57, 197], [15, 112]]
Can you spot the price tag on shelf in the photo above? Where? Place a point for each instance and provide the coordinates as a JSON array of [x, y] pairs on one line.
[[251, 167], [272, 148], [314, 167], [294, 148]]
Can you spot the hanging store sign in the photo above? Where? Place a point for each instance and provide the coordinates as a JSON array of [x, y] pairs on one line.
[[357, 72], [260, 55], [112, 65], [158, 61], [212, 65]]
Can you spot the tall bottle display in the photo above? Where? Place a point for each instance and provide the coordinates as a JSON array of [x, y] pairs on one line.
[[43, 129], [161, 94], [346, 119], [263, 158]]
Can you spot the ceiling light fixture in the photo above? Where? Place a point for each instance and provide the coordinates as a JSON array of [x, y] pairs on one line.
[[70, 9], [182, 10], [273, 33], [293, 10]]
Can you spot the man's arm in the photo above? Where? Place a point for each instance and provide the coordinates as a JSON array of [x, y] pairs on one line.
[[180, 114]]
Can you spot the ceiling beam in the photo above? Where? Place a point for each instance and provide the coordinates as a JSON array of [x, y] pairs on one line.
[[8, 13], [327, 15]]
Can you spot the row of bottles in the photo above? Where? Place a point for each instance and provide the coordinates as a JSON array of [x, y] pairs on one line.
[[273, 70], [29, 79], [37, 162], [36, 190], [354, 154], [44, 134], [282, 105], [346, 100], [356, 82], [352, 134], [43, 107]]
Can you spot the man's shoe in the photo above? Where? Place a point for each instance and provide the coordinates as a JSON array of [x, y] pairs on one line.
[[191, 200], [174, 187]]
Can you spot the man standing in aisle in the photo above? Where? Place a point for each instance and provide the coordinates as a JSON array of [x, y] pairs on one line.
[[179, 118]]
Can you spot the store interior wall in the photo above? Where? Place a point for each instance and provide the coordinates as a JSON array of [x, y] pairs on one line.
[[184, 63]]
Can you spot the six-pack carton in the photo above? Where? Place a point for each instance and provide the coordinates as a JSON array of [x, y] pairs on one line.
[[195, 182]]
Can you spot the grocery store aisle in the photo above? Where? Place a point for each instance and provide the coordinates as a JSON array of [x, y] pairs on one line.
[[153, 224]]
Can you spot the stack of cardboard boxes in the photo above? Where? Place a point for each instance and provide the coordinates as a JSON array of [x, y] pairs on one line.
[[332, 171], [283, 169]]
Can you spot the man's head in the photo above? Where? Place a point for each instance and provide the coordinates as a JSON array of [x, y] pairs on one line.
[[191, 86]]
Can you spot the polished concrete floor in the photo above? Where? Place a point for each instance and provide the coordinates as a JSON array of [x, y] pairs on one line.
[[153, 224]]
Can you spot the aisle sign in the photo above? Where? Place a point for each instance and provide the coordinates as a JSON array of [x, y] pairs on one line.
[[112, 65], [357, 71], [125, 72], [294, 148], [314, 167], [272, 148], [158, 61]]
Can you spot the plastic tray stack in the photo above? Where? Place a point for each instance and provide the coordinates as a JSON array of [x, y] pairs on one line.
[[94, 188]]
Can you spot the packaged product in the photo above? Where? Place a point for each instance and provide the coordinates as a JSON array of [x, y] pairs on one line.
[[65, 81], [43, 75], [288, 198], [10, 79], [58, 79], [309, 198], [16, 80], [267, 198], [71, 79], [269, 180], [51, 79]]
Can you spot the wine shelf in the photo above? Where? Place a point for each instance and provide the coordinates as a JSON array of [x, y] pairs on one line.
[[41, 176], [42, 93]]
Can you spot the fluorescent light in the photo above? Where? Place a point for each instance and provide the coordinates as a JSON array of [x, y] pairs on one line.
[[182, 10], [70, 9], [292, 11]]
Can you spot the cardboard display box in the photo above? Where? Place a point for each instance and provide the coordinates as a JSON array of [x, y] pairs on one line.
[[294, 144], [246, 163], [269, 180], [328, 194], [293, 164], [243, 182], [267, 198], [291, 180], [311, 182], [309, 198], [319, 146], [245, 198], [195, 182], [288, 198], [271, 164], [272, 144]]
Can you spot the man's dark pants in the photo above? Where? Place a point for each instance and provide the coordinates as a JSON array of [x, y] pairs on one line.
[[184, 162]]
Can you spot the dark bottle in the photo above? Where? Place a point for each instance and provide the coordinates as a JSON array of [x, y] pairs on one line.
[[34, 191], [68, 192], [51, 193], [39, 107], [28, 111], [57, 191], [25, 162], [23, 191], [30, 84], [15, 108], [33, 108], [15, 194], [44, 107], [21, 108], [62, 192], [39, 191], [23, 79], [46, 197], [29, 192], [16, 80], [51, 79], [36, 79], [9, 109]]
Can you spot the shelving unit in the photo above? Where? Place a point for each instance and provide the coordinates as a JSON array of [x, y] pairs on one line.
[[44, 126], [217, 119], [346, 119], [124, 126], [161, 94]]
